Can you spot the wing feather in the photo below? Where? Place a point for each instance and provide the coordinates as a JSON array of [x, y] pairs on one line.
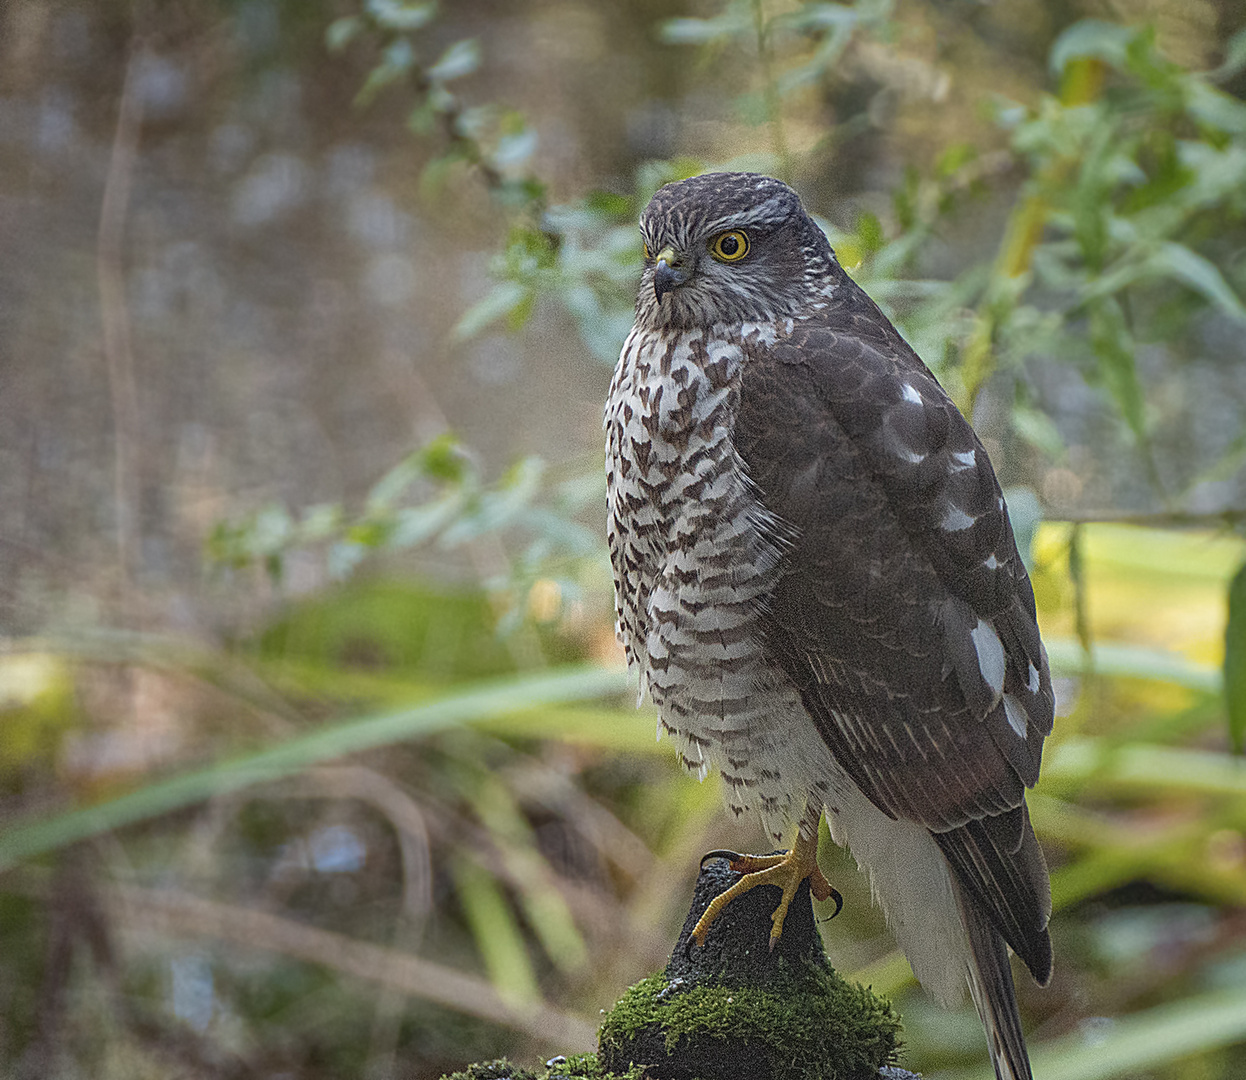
[[904, 614]]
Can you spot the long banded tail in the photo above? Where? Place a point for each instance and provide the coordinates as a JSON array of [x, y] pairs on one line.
[[991, 987]]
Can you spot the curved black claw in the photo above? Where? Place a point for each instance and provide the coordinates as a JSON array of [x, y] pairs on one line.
[[721, 853], [688, 947], [837, 896]]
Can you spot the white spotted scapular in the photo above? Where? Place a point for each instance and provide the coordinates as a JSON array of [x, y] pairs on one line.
[[818, 583]]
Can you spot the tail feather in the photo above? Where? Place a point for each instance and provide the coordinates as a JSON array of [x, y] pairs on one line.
[[991, 987]]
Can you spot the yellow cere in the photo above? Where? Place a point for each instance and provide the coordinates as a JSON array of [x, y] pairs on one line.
[[729, 246]]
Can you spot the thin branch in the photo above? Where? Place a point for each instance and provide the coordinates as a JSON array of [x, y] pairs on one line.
[[1160, 519], [115, 316], [158, 911], [398, 808], [774, 103]]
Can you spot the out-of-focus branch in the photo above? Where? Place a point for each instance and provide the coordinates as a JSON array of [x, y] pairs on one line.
[[1163, 519], [152, 911], [115, 317], [397, 807]]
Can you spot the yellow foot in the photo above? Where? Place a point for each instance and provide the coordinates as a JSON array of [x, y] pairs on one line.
[[785, 871]]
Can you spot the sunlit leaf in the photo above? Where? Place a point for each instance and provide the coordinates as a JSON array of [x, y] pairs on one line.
[[544, 907], [703, 31], [1132, 1045], [401, 14], [1091, 38], [501, 300], [1039, 430], [343, 557], [515, 149], [1142, 768], [1118, 659], [1235, 660], [497, 934], [461, 58], [1215, 108]]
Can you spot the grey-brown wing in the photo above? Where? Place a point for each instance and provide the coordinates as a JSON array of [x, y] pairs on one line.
[[904, 614]]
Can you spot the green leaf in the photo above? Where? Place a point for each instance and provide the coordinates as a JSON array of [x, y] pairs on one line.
[[1200, 274], [1215, 108], [396, 61], [419, 524], [387, 490], [497, 934], [1091, 38], [1135, 1044], [501, 300], [1026, 514], [401, 15], [1234, 57], [341, 32], [461, 58], [955, 158], [1039, 430], [608, 204], [342, 558], [528, 871], [1119, 660], [870, 232], [1114, 348], [1077, 577], [1235, 660], [704, 31], [445, 459], [515, 148]]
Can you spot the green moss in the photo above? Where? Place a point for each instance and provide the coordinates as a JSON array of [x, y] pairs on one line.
[[810, 1024], [571, 1067], [501, 1069], [587, 1067]]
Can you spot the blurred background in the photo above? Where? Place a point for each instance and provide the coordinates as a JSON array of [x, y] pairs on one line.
[[317, 758]]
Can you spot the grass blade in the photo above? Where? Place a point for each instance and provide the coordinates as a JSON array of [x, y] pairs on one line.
[[1140, 1041], [26, 839]]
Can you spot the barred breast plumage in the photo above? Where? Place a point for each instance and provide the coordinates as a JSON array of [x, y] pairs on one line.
[[695, 556]]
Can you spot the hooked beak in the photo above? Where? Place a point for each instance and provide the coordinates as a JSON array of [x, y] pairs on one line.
[[667, 273]]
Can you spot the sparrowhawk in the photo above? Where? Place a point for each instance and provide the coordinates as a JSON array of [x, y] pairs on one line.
[[817, 580]]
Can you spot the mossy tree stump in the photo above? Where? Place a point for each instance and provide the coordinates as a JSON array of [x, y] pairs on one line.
[[735, 1010]]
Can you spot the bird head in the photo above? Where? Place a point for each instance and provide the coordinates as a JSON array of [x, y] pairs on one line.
[[729, 247]]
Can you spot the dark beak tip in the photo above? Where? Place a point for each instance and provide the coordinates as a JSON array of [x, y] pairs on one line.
[[665, 278]]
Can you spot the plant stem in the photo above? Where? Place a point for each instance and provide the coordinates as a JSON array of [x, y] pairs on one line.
[[774, 104]]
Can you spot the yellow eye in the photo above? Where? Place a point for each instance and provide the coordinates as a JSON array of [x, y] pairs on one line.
[[729, 246]]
